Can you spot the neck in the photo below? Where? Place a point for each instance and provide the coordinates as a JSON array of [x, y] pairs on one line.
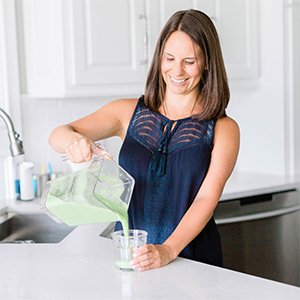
[[180, 107]]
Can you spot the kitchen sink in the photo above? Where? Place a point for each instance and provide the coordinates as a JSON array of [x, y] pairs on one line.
[[32, 228]]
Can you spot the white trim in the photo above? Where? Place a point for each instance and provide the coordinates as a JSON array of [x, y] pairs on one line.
[[257, 216], [10, 69], [4, 103], [289, 94], [9, 85]]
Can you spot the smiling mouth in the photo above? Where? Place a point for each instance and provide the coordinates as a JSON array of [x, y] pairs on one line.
[[177, 81]]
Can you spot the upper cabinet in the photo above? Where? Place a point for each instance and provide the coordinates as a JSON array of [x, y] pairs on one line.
[[237, 22], [80, 48], [105, 45], [83, 48]]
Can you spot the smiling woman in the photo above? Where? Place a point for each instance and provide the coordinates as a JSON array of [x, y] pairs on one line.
[[178, 144], [197, 50]]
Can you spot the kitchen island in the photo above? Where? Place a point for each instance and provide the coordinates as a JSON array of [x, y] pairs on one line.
[[247, 184], [82, 266]]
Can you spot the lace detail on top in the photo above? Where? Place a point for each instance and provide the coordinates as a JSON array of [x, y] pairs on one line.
[[148, 129]]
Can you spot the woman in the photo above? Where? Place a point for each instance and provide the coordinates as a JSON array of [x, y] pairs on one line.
[[178, 143]]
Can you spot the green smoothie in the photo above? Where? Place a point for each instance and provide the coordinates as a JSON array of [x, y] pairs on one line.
[[123, 265], [72, 200]]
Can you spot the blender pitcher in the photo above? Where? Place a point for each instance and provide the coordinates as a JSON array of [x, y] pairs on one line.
[[97, 194]]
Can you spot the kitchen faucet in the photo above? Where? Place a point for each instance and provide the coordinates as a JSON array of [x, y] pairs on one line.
[[16, 146]]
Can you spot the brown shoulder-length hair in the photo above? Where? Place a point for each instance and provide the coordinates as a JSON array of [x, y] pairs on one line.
[[213, 86]]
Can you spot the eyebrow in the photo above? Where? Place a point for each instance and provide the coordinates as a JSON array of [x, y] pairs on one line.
[[192, 57]]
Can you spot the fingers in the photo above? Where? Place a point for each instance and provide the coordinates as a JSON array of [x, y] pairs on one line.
[[143, 258], [96, 149], [80, 150], [149, 257]]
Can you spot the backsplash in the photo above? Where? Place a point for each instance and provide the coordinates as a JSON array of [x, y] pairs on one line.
[[41, 116]]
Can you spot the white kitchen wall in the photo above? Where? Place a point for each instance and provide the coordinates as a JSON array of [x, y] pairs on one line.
[[41, 116]]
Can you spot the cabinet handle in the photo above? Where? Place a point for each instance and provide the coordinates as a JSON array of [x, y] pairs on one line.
[[145, 39], [257, 216]]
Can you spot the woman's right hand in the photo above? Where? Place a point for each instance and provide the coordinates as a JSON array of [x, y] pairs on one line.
[[81, 149]]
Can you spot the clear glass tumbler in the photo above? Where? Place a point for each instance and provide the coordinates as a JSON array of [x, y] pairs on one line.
[[124, 246]]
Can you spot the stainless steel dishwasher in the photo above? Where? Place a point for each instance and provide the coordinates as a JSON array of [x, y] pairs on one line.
[[260, 235]]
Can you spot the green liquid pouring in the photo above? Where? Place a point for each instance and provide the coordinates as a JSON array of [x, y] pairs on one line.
[[71, 199]]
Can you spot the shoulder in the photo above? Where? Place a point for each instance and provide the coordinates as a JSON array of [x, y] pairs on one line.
[[227, 126], [124, 103], [122, 109], [227, 135]]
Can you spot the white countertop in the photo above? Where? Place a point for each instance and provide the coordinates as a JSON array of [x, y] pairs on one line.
[[245, 184], [82, 265]]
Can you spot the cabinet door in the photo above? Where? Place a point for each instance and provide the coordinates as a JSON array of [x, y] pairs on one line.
[[236, 22], [106, 42], [40, 42], [168, 7]]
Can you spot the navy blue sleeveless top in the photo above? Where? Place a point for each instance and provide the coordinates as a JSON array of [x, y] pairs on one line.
[[168, 160]]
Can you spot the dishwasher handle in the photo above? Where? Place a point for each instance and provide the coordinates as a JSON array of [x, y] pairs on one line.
[[256, 199], [257, 216]]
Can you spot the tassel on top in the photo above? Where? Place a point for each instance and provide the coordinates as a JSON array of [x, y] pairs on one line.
[[159, 160]]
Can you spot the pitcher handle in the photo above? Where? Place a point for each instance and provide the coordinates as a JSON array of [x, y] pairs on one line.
[[96, 146]]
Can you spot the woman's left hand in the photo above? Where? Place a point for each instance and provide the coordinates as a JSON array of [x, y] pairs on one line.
[[151, 256]]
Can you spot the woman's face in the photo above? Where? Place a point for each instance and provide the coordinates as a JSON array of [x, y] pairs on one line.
[[182, 65]]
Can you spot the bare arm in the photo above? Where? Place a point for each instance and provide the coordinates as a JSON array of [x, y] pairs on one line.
[[224, 155], [77, 138]]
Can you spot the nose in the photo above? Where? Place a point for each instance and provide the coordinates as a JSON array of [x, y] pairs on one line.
[[178, 69]]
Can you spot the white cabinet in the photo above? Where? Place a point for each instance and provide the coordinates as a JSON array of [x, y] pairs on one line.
[[106, 45], [98, 47], [83, 48], [237, 23]]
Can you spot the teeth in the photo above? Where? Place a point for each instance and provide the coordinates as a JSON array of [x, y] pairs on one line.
[[177, 81]]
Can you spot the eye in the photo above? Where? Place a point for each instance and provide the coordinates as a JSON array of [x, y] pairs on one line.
[[170, 58], [189, 62]]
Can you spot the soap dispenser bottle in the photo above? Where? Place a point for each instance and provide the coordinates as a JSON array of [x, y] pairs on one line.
[[26, 183]]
